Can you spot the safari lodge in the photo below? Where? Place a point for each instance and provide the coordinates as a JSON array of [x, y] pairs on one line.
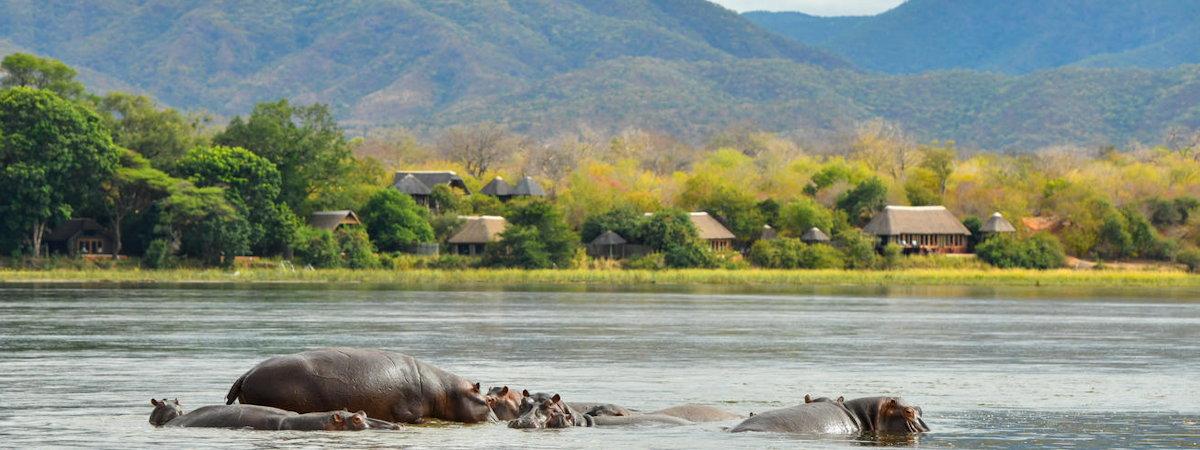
[[920, 229]]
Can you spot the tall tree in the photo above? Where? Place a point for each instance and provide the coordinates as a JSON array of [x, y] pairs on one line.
[[54, 155], [304, 142], [25, 70], [478, 147], [202, 224], [135, 187], [395, 221], [161, 135]]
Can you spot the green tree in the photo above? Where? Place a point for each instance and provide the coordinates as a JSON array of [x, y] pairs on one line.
[[622, 220], [791, 253], [538, 237], [161, 135], [1113, 239], [54, 155], [394, 221], [317, 248], [923, 188], [802, 214], [204, 224], [862, 202], [252, 184], [1040, 251], [135, 187], [671, 232], [939, 160], [304, 142], [25, 70], [356, 246]]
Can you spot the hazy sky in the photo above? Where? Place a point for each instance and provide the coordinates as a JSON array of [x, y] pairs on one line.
[[814, 7]]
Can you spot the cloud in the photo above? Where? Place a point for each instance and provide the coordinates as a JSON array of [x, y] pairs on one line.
[[814, 7]]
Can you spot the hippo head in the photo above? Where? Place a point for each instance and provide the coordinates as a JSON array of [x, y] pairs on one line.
[[538, 411], [505, 402], [346, 421], [809, 399], [164, 411], [894, 415], [470, 405], [607, 410]]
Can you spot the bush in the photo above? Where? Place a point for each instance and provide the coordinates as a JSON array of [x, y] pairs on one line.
[[158, 255], [1190, 258], [789, 253], [394, 221], [450, 262], [858, 248], [671, 232], [537, 238], [357, 249], [652, 261], [317, 248], [1040, 251], [892, 255]]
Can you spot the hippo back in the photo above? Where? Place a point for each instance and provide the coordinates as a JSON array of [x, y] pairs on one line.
[[698, 413], [639, 420], [808, 418], [232, 416]]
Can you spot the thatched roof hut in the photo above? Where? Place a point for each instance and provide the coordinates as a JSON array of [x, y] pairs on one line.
[[431, 178], [608, 244], [898, 220], [413, 186], [814, 235], [997, 224], [476, 232], [497, 188], [609, 238], [80, 237], [528, 187], [331, 220], [709, 229]]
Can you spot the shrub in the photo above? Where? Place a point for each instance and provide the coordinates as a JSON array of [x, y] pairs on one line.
[[357, 249], [1190, 258], [537, 238], [317, 248], [671, 232], [158, 254], [652, 261], [1040, 251], [789, 253], [892, 255], [858, 248], [394, 221]]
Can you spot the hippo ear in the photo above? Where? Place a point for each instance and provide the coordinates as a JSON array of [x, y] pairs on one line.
[[841, 399], [475, 388], [555, 398], [807, 398], [504, 390], [176, 402], [525, 392], [154, 402]]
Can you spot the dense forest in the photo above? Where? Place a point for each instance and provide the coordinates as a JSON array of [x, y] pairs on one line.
[[685, 67], [181, 190]]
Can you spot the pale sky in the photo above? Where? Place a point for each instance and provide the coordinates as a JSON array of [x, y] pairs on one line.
[[814, 7]]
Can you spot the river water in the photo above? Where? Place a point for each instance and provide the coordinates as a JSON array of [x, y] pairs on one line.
[[990, 368]]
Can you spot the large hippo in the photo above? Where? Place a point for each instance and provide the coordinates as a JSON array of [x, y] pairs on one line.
[[387, 385], [863, 415], [256, 417], [698, 413]]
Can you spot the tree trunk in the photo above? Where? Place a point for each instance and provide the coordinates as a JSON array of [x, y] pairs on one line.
[[38, 230], [116, 232]]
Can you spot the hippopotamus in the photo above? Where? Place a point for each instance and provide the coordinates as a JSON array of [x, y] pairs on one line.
[[505, 402], [256, 417], [386, 385], [542, 410], [601, 409], [698, 413], [864, 415]]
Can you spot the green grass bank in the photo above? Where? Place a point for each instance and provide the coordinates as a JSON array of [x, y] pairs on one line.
[[477, 278]]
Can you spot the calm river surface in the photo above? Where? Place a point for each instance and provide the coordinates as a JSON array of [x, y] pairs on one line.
[[990, 368]]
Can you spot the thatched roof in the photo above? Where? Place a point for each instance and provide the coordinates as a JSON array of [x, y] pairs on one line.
[[768, 233], [411, 185], [497, 188], [431, 178], [897, 220], [608, 238], [814, 234], [997, 224], [527, 186], [73, 227], [709, 228], [329, 220], [479, 230]]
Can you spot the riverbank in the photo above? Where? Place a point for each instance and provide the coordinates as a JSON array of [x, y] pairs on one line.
[[512, 277]]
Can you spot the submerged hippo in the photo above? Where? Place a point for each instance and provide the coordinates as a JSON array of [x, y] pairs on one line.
[[601, 409], [698, 413], [170, 414], [387, 385], [864, 415], [505, 402], [543, 410]]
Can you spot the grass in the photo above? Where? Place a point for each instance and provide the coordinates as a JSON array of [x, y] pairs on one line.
[[475, 278]]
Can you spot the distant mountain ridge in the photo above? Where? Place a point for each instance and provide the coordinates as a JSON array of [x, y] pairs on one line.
[[1010, 36], [543, 67]]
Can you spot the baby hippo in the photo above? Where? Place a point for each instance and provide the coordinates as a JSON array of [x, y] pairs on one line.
[[547, 411], [171, 414]]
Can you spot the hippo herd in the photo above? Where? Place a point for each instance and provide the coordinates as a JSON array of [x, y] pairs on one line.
[[317, 390]]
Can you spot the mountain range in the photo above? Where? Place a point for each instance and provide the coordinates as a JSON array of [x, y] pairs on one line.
[[542, 67]]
